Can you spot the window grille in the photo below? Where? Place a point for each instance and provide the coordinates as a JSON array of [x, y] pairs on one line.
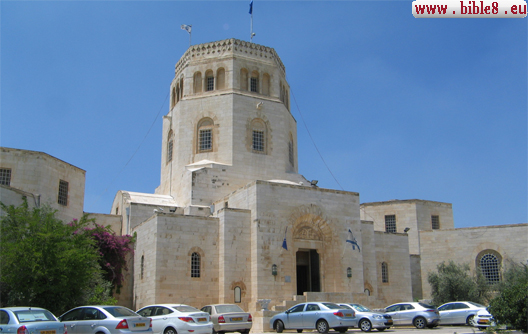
[[5, 176], [63, 193], [254, 85], [490, 268], [210, 83], [290, 152], [384, 273], [390, 223], [142, 265], [195, 265], [206, 140], [435, 222], [258, 141], [169, 150]]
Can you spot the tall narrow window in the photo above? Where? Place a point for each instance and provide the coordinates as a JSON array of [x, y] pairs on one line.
[[254, 81], [205, 135], [62, 198], [243, 79], [170, 145], [490, 267], [220, 78], [290, 151], [197, 82], [390, 223], [384, 273], [209, 81], [142, 265], [435, 222], [5, 176], [195, 265], [258, 141], [238, 294], [173, 97], [258, 136], [266, 84]]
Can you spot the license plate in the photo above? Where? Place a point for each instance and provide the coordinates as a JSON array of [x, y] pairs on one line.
[[47, 332], [389, 322], [348, 314], [202, 319], [236, 319], [139, 325], [483, 321]]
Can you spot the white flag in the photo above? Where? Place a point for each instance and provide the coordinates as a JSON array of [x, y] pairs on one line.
[[186, 28]]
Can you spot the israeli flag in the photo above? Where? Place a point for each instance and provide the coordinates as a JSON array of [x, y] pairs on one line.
[[251, 7], [284, 245], [186, 28], [352, 240]]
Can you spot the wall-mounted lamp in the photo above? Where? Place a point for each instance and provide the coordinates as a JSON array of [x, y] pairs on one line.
[[349, 272], [274, 270], [313, 183], [407, 229]]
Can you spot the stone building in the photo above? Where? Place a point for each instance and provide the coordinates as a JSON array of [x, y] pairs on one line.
[[233, 221]]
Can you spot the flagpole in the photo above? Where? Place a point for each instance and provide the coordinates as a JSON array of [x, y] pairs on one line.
[[251, 12]]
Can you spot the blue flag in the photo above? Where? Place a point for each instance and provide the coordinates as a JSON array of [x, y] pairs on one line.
[[251, 7], [284, 245], [352, 240]]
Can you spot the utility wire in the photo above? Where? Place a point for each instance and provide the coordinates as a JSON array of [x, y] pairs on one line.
[[313, 142], [135, 152]]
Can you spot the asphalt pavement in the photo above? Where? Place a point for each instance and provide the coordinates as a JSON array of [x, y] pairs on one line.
[[411, 330]]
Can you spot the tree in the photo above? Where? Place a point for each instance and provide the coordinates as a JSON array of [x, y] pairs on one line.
[[44, 262], [452, 282], [510, 306], [113, 250]]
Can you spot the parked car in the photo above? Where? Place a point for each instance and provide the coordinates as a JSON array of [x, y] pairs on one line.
[[368, 319], [25, 320], [483, 319], [455, 313], [319, 315], [177, 318], [229, 318], [418, 314], [105, 319]]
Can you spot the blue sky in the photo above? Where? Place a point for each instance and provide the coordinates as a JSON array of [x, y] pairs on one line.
[[399, 107]]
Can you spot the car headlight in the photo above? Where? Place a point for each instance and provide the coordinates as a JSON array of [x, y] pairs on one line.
[[378, 316]]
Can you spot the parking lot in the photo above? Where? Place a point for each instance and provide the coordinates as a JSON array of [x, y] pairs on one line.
[[412, 330]]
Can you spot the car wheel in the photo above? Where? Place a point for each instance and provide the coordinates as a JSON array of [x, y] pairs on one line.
[[279, 327], [419, 322], [170, 330], [381, 329], [299, 331], [365, 325], [470, 321], [322, 326]]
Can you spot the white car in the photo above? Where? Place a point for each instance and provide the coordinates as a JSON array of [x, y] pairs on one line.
[[483, 319], [177, 318], [455, 313]]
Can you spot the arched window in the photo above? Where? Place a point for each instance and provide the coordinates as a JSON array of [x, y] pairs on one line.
[[238, 294], [254, 82], [180, 95], [266, 84], [170, 144], [489, 262], [384, 272], [142, 265], [173, 97], [195, 265], [197, 82], [258, 136], [367, 292], [243, 79], [220, 78], [205, 135], [209, 81]]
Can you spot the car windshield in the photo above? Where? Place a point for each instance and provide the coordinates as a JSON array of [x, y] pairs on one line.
[[34, 315], [361, 308], [120, 312], [426, 306], [228, 309], [185, 308], [332, 306], [476, 304]]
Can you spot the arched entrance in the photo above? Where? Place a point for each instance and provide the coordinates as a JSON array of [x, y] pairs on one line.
[[308, 273]]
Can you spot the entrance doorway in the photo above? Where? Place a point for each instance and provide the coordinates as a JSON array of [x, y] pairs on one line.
[[308, 271]]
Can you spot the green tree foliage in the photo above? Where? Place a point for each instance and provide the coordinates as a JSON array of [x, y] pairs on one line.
[[44, 262], [510, 306], [452, 282]]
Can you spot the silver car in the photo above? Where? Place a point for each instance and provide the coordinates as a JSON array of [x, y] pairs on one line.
[[319, 315], [418, 314], [455, 313], [368, 319], [25, 320], [105, 319], [177, 318], [229, 318]]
